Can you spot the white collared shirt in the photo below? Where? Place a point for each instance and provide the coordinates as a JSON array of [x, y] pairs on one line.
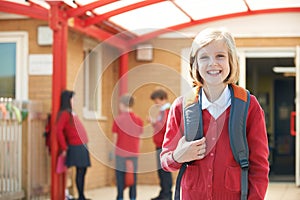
[[165, 106], [162, 109], [219, 106]]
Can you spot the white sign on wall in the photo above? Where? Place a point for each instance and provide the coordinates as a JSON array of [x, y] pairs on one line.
[[40, 64]]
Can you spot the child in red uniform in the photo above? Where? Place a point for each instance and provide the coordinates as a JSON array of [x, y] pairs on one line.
[[127, 128], [160, 97], [72, 140], [215, 174]]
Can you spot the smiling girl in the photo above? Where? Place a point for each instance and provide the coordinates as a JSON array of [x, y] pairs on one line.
[[214, 173]]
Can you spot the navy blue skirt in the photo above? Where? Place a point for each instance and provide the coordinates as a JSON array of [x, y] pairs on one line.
[[78, 156]]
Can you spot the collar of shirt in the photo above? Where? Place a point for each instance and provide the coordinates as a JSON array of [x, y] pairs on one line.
[[219, 106], [165, 106], [162, 109]]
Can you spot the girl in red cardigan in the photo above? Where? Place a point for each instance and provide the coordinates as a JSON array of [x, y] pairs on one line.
[[215, 174], [72, 140]]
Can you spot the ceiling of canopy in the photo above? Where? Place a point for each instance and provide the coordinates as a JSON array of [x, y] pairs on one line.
[[137, 20]]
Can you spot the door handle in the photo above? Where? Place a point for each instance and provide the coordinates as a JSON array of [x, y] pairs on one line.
[[292, 123]]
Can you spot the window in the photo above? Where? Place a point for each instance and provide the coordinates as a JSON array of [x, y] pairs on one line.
[[13, 65], [92, 81], [8, 69]]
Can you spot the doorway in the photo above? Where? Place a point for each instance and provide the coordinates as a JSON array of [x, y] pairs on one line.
[[284, 155], [276, 94]]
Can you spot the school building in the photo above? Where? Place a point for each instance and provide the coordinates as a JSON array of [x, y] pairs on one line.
[[103, 49]]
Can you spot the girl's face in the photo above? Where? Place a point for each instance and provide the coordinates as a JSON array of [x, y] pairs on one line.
[[122, 107], [213, 63]]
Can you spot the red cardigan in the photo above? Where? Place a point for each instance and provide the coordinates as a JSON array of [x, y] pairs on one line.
[[160, 128], [70, 132], [217, 176]]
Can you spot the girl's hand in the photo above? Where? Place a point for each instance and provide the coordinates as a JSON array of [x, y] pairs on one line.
[[150, 120], [64, 153], [189, 151]]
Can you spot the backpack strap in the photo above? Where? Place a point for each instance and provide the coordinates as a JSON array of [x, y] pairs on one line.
[[178, 180], [191, 109], [237, 132], [193, 130]]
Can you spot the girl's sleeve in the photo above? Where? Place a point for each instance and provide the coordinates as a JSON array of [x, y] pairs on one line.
[[258, 152], [60, 126], [141, 126], [172, 136]]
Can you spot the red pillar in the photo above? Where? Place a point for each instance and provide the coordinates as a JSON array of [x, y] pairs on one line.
[[123, 86], [59, 26]]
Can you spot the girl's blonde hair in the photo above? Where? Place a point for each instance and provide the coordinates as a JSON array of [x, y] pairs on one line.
[[204, 38]]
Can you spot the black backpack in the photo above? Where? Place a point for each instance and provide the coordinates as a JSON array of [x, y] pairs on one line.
[[193, 130]]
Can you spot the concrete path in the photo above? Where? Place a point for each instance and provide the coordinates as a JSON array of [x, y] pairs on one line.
[[276, 191]]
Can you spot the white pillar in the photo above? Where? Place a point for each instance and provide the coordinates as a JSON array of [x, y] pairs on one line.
[[242, 59]]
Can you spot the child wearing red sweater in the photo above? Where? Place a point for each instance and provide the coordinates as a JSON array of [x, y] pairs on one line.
[[72, 140], [214, 174], [127, 128], [160, 98]]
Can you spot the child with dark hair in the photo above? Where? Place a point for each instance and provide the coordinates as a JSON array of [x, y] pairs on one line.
[[159, 94], [160, 98], [127, 129], [72, 140]]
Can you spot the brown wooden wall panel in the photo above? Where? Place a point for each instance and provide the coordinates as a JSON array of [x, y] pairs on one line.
[[267, 42], [40, 89], [99, 131], [143, 79], [74, 57], [29, 26]]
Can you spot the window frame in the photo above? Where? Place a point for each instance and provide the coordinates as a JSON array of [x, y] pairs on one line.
[[21, 40], [90, 45]]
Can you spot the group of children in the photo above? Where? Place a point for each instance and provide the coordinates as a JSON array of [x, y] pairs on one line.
[[127, 128], [212, 172]]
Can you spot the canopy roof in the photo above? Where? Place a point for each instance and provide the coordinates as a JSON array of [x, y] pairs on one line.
[[130, 22]]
